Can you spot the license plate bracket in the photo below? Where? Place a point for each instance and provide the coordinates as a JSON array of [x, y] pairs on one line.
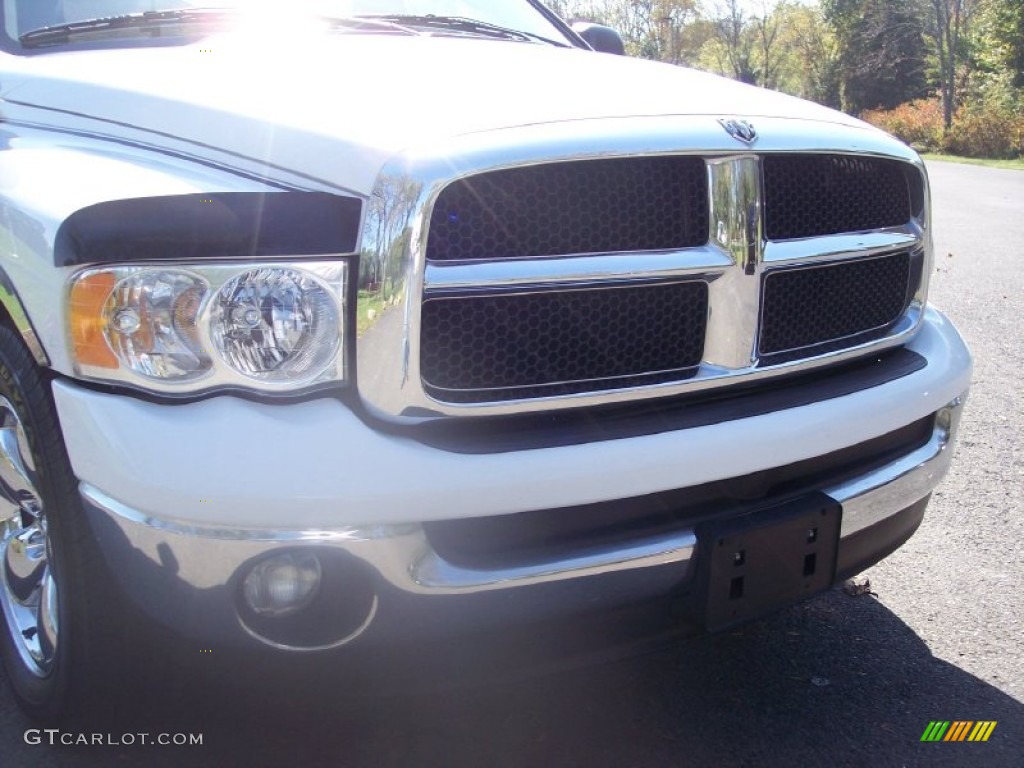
[[758, 562]]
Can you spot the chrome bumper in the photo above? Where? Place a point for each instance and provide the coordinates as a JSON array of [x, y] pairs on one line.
[[188, 576]]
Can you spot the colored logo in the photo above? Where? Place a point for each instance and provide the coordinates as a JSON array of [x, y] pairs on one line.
[[958, 730]]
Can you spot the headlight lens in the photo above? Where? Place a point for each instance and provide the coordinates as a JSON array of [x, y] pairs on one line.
[[275, 325], [270, 327], [150, 322]]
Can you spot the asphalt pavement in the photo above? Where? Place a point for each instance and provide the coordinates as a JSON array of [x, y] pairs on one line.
[[837, 681]]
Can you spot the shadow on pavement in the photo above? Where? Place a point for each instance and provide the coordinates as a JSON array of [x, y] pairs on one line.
[[839, 681]]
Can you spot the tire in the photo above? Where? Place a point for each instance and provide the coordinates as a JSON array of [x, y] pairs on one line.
[[51, 571]]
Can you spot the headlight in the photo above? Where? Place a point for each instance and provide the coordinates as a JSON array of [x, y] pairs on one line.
[[275, 325], [270, 327], [150, 322]]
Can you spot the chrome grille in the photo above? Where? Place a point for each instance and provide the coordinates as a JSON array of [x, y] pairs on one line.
[[557, 209], [545, 267], [805, 307], [505, 346], [815, 195]]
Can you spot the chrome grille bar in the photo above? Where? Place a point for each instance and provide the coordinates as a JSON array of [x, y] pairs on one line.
[[735, 199]]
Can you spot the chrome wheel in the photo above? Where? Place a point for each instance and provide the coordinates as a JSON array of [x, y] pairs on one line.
[[28, 591]]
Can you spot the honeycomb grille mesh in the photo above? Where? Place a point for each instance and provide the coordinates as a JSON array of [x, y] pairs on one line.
[[594, 206], [509, 346], [817, 305], [814, 195]]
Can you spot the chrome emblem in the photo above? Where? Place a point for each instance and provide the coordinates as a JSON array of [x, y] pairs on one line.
[[740, 130]]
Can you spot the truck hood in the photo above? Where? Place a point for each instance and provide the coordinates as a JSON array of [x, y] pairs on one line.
[[336, 107]]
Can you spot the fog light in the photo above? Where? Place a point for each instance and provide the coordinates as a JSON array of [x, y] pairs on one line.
[[282, 584]]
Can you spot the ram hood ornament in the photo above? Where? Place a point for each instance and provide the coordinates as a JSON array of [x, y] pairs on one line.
[[740, 130]]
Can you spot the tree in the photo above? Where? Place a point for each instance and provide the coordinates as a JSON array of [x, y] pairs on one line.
[[766, 26], [881, 51], [655, 28], [946, 27], [651, 29], [1000, 38], [734, 42], [574, 10], [810, 65], [750, 46]]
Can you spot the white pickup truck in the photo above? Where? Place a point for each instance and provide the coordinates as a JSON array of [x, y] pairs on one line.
[[332, 325]]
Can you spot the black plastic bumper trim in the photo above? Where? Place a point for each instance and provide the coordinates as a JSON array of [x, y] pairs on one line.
[[565, 428]]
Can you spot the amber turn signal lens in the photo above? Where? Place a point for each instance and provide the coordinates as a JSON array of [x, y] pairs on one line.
[[88, 297]]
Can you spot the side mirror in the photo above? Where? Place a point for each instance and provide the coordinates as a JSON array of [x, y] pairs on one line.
[[599, 37]]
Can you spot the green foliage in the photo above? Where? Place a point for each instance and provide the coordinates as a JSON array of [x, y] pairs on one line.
[[881, 49], [664, 30], [811, 67], [1000, 39], [747, 42], [943, 75], [946, 23]]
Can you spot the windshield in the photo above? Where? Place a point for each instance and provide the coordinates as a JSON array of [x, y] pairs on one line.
[[22, 16]]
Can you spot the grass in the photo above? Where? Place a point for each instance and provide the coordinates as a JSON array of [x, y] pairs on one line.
[[1017, 165], [367, 303]]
